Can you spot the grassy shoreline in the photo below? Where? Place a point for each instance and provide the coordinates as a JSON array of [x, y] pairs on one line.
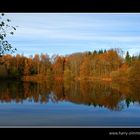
[[41, 78]]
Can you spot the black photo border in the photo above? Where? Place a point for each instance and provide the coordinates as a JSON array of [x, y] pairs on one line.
[[69, 6]]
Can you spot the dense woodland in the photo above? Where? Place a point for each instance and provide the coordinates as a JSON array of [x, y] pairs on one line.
[[105, 65]]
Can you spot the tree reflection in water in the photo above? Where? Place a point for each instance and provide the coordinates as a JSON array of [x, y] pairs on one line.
[[113, 96]]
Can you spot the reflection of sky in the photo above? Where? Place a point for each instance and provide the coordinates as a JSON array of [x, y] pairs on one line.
[[66, 114], [68, 33]]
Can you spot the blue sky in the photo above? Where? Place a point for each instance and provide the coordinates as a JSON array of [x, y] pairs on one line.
[[66, 33]]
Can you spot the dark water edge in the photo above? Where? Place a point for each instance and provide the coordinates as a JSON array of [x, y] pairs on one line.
[[83, 104]]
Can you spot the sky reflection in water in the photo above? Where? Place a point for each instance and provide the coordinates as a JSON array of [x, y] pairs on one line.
[[20, 107]]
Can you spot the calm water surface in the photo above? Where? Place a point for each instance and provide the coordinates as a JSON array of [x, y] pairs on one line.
[[69, 104]]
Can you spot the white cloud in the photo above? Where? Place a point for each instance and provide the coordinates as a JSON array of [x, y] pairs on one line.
[[65, 30]]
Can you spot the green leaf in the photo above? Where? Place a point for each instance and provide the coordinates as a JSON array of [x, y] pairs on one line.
[[1, 37], [2, 23], [11, 33], [8, 20], [14, 28]]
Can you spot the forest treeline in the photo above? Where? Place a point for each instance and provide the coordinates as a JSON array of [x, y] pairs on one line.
[[100, 65]]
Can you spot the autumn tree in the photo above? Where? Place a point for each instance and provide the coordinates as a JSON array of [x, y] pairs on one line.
[[74, 62], [58, 66], [45, 64], [36, 61], [94, 65], [134, 71], [85, 68]]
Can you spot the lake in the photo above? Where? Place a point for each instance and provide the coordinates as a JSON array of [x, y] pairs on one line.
[[66, 104]]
